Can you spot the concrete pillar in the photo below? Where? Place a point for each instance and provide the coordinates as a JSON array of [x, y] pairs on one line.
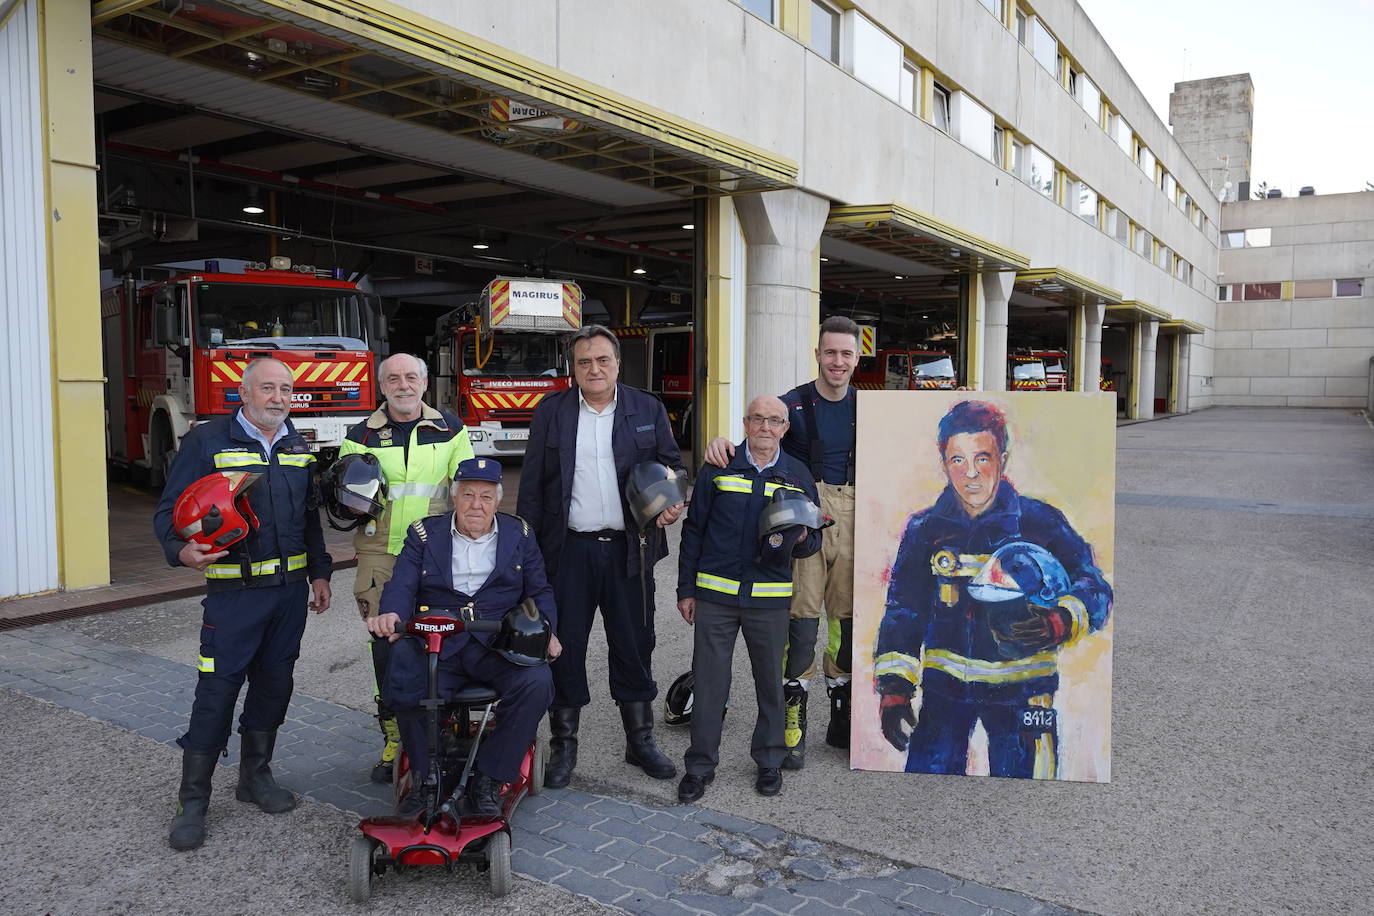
[[783, 229], [996, 286], [1143, 368], [1087, 359], [1182, 373]]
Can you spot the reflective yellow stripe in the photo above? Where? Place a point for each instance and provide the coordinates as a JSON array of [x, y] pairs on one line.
[[1078, 614], [899, 664], [771, 590], [423, 490], [261, 568], [717, 583], [1041, 664], [205, 664], [735, 484], [300, 461], [770, 488], [238, 460]]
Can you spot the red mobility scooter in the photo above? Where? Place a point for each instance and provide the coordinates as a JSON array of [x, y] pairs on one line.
[[441, 834]]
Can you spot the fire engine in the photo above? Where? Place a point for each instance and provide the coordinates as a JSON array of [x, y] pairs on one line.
[[1056, 368], [661, 360], [906, 370], [175, 351], [1026, 373], [502, 354]]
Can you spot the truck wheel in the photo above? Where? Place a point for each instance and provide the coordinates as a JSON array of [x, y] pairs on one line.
[[160, 453]]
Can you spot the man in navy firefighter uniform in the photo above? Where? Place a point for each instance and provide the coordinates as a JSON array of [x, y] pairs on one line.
[[730, 581], [256, 592], [583, 443], [480, 558], [991, 584]]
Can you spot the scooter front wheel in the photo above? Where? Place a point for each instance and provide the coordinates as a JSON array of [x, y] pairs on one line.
[[498, 863], [537, 762], [360, 872]]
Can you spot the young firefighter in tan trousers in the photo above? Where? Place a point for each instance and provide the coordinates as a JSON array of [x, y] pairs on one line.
[[821, 436], [419, 449]]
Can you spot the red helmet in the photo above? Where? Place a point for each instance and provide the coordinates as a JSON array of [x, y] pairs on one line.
[[214, 510]]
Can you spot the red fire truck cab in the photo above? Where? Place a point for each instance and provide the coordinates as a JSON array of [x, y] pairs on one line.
[[661, 360], [175, 351], [906, 370]]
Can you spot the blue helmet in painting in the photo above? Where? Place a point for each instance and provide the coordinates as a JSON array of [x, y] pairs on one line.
[[1021, 570]]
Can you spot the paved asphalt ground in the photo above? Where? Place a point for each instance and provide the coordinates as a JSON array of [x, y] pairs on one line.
[[1243, 729]]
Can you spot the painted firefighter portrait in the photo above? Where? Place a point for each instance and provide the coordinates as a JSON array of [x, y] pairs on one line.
[[991, 594]]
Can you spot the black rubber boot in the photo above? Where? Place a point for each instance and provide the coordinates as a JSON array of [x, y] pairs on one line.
[[562, 746], [193, 799], [837, 733], [256, 784], [794, 724], [640, 749]]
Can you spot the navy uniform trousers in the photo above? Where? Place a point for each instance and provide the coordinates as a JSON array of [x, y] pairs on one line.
[[524, 694], [713, 650], [251, 634], [591, 573]]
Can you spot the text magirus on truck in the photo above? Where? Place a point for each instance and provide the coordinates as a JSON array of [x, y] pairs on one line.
[[502, 353], [175, 350]]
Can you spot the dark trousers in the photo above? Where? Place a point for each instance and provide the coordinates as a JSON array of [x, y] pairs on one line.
[[251, 634], [939, 743], [713, 648], [591, 574], [381, 655], [524, 693]]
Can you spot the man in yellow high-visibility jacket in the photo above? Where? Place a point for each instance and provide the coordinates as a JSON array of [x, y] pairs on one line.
[[419, 448]]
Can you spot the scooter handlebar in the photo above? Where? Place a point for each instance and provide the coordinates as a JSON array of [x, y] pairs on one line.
[[441, 622]]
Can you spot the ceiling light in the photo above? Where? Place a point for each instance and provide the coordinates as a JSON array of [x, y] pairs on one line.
[[688, 225], [251, 205], [925, 316], [481, 243], [898, 277], [825, 259], [639, 270]]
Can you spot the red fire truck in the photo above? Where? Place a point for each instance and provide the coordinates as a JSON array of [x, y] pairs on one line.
[[1056, 368], [1025, 373], [501, 354], [175, 351], [906, 370], [661, 360]]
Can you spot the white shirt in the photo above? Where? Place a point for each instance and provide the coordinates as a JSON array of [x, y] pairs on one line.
[[473, 558], [595, 502], [762, 467], [257, 433]]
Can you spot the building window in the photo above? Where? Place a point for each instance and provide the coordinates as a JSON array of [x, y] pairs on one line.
[[764, 9], [999, 147], [1087, 95], [1182, 270], [1040, 171], [1224, 292], [1146, 159], [825, 31], [1144, 243], [874, 56], [1254, 292], [1162, 255], [1018, 159], [994, 7], [939, 111], [973, 125], [1257, 238], [1120, 131], [1312, 289], [1349, 288], [1168, 185], [1185, 203], [1233, 238], [1072, 84], [1021, 25], [1043, 46], [1087, 203], [911, 95]]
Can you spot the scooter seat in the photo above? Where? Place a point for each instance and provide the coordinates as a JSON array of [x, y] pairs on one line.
[[475, 695]]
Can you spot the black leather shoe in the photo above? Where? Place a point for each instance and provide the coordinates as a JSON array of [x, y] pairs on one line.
[[692, 787], [483, 796], [769, 781]]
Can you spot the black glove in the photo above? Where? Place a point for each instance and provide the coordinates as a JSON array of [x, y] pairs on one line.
[[894, 708], [1040, 629]]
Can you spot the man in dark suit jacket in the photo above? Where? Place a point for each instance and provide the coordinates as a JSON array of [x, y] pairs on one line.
[[582, 445], [478, 558]]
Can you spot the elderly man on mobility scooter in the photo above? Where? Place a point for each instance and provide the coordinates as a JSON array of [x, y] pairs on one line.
[[484, 562]]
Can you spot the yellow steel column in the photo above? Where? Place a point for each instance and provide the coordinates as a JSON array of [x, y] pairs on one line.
[[720, 347], [1133, 389], [973, 323], [67, 100]]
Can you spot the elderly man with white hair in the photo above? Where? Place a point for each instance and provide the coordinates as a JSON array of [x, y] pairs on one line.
[[418, 447]]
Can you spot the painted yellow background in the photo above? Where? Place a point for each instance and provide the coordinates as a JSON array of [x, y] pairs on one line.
[[1061, 450]]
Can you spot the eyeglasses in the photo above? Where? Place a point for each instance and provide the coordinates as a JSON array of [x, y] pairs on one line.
[[770, 422]]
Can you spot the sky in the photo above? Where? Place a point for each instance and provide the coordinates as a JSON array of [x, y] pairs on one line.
[[1312, 64]]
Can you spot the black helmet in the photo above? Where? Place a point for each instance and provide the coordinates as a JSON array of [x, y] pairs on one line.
[[783, 524], [354, 490], [524, 635], [677, 702], [651, 488]]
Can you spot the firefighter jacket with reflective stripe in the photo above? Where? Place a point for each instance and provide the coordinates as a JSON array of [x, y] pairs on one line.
[[424, 576], [719, 555], [417, 480], [929, 606], [288, 544]]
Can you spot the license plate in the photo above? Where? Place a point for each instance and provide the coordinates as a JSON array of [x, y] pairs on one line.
[[513, 434]]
